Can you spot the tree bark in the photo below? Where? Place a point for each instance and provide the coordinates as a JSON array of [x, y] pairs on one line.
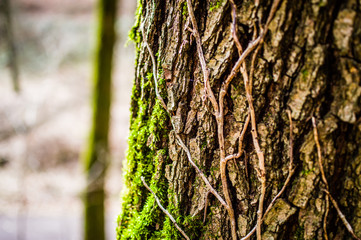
[[309, 63]]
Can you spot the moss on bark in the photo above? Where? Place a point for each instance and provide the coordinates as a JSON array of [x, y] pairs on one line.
[[309, 63]]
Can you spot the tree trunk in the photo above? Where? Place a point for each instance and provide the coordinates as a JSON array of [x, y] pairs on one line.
[[309, 63], [97, 158], [7, 11]]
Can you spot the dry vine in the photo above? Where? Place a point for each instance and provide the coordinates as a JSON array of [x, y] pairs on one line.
[[180, 141], [291, 171], [328, 194], [218, 107], [324, 180], [248, 87]]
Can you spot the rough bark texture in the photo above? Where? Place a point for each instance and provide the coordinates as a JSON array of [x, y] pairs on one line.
[[309, 63]]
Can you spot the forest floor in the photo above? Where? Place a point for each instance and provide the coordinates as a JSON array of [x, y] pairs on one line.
[[44, 129]]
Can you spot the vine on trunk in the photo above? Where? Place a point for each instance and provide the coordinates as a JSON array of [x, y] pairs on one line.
[[247, 73]]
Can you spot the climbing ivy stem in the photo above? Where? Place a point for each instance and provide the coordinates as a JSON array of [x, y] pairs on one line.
[[323, 176]]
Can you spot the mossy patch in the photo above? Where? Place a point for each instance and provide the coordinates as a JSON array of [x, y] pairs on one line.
[[134, 35], [140, 217], [215, 5]]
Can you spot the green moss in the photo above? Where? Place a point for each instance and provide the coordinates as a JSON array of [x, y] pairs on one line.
[[169, 231], [147, 156], [215, 5], [184, 9], [305, 172], [204, 144], [304, 73], [139, 218], [134, 34]]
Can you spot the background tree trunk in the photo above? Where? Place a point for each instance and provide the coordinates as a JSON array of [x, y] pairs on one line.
[[7, 12], [309, 63], [97, 158]]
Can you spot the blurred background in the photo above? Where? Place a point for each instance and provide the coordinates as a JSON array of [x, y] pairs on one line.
[[44, 127]]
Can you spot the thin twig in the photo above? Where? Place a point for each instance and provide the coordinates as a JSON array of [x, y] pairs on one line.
[[252, 45], [341, 215], [241, 64], [165, 210], [323, 176], [260, 155], [325, 217]]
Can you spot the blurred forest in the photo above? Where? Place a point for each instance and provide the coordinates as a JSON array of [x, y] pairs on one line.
[[44, 127]]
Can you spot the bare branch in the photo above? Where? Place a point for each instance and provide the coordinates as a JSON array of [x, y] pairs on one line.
[[323, 176], [260, 155], [218, 108], [165, 210]]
